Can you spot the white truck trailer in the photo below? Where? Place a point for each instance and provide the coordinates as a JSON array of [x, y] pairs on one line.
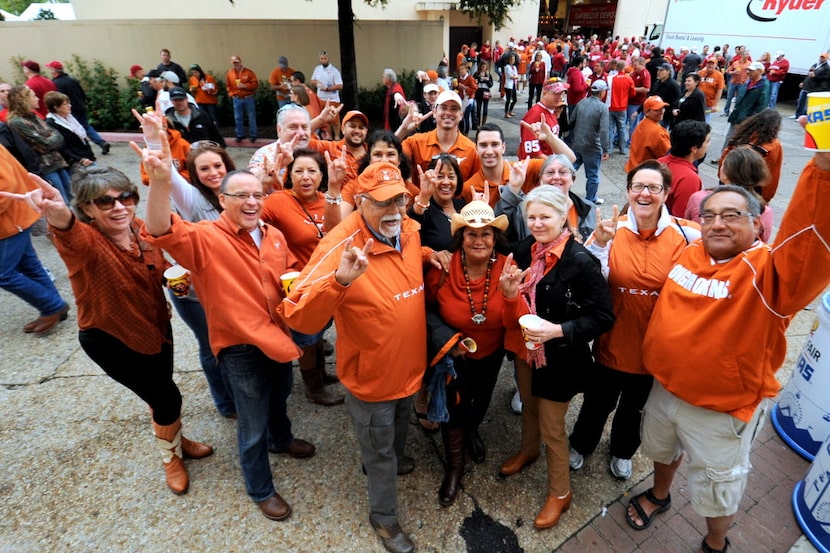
[[801, 28]]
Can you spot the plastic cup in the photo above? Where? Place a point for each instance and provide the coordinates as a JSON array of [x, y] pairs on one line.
[[178, 280], [287, 281], [530, 322], [468, 345], [817, 137]]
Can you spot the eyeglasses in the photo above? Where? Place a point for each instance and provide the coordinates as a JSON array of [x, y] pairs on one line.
[[106, 203], [399, 201], [560, 172], [203, 144], [728, 217], [258, 196], [652, 188], [760, 149]]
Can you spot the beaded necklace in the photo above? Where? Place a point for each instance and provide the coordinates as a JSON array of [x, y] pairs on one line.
[[477, 318]]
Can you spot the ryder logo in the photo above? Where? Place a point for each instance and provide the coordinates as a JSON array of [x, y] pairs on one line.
[[764, 10]]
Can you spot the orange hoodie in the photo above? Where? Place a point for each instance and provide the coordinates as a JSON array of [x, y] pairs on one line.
[[717, 334]]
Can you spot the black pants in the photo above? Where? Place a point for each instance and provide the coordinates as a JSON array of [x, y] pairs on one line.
[[600, 398], [468, 396], [149, 376], [481, 110], [535, 92], [509, 100]]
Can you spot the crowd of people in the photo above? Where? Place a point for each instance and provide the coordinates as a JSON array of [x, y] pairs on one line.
[[425, 249]]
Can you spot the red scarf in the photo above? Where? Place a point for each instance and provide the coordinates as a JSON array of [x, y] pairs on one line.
[[528, 288]]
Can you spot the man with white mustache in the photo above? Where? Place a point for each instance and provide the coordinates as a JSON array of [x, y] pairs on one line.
[[367, 273]]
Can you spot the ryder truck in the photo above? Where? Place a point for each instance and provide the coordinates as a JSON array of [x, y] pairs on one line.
[[798, 27]]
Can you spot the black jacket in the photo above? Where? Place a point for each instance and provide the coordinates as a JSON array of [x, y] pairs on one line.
[[72, 88], [575, 295], [669, 91], [74, 149], [201, 126]]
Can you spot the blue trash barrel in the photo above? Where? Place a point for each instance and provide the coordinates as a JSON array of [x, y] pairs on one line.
[[811, 500]]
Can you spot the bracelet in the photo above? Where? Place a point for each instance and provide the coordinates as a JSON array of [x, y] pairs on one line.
[[419, 204], [333, 200]]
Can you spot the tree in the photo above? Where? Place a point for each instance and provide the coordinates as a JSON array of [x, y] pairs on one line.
[[496, 12], [43, 15]]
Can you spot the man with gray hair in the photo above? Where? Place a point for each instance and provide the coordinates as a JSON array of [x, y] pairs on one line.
[[250, 340], [395, 101], [725, 295], [591, 142], [293, 131]]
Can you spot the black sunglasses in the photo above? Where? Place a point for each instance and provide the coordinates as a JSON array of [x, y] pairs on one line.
[[105, 203], [761, 150]]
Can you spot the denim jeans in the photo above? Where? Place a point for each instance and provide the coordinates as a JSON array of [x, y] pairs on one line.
[[773, 93], [60, 179], [381, 429], [193, 314], [617, 128], [632, 124], [22, 274], [733, 91], [260, 388], [801, 106], [91, 133], [591, 161], [242, 108]]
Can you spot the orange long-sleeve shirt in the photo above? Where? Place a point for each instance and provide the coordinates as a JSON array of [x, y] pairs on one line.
[[500, 329], [244, 76], [238, 282], [102, 274], [717, 334], [202, 92], [303, 225]]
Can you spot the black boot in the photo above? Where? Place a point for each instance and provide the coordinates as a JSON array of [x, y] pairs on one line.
[[312, 373], [475, 446], [454, 452]]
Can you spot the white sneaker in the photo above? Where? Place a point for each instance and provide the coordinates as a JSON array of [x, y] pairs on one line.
[[599, 201], [621, 468], [575, 459], [516, 403], [793, 117]]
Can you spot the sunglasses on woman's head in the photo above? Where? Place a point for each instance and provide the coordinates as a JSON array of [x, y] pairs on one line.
[[105, 203]]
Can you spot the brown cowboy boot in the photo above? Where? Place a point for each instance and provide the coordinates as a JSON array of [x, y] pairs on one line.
[[169, 439]]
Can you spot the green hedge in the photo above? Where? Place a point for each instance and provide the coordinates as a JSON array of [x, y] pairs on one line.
[[109, 104]]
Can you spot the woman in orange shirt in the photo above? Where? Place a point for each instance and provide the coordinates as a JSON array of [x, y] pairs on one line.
[[123, 316], [205, 92], [304, 211], [477, 299]]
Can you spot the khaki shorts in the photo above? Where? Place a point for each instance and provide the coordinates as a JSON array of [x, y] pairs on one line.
[[717, 448]]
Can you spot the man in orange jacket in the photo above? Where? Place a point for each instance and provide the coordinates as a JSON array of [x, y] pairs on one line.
[[716, 338], [368, 274], [242, 83]]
